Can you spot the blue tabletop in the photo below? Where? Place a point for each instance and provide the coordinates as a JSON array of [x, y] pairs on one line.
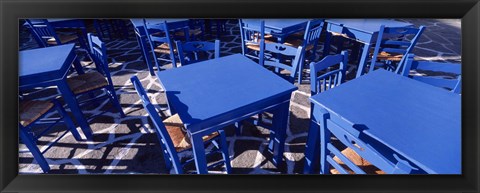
[[139, 22], [417, 120], [214, 87], [368, 25], [44, 64], [278, 24]]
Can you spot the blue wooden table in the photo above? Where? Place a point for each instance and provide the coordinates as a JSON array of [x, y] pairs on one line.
[[173, 24], [395, 115], [280, 28], [361, 30], [212, 94], [49, 67]]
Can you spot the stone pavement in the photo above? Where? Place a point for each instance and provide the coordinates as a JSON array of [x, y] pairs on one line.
[[130, 146]]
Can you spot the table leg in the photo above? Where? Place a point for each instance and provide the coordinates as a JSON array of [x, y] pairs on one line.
[[321, 116], [71, 101], [279, 125], [363, 59], [198, 148], [312, 150]]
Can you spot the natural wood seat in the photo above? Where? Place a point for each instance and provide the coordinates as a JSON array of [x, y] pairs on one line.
[[357, 160], [176, 131], [192, 32], [32, 110], [86, 82], [164, 49], [296, 43], [63, 39], [389, 56]]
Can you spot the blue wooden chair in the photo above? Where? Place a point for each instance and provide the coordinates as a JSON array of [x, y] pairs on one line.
[[31, 114], [196, 30], [195, 51], [100, 79], [173, 139], [110, 28], [331, 77], [251, 38], [45, 34], [161, 42], [309, 41], [455, 84], [393, 45], [275, 56]]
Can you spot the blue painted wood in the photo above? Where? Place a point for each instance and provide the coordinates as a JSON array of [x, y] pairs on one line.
[[280, 28], [455, 85], [207, 100], [332, 77], [275, 54], [98, 51], [196, 51], [157, 35], [29, 138], [49, 67], [427, 132], [361, 30], [141, 35], [250, 37], [171, 157], [44, 29], [393, 40]]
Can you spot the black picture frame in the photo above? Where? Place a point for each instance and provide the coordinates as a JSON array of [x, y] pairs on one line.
[[11, 11]]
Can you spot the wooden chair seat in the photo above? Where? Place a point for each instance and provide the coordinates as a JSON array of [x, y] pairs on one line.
[[32, 110], [163, 49], [86, 82], [357, 160], [192, 32], [296, 43], [179, 138], [388, 56], [64, 38]]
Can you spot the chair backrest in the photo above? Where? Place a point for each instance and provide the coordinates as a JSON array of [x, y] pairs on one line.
[[331, 77], [157, 33], [43, 30], [394, 41], [98, 52], [272, 54], [251, 35], [312, 32], [455, 85], [195, 51], [160, 128]]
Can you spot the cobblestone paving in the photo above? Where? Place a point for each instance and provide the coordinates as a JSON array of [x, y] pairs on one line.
[[129, 145]]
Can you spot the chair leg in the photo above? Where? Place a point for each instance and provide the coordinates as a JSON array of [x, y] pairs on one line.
[[115, 100], [166, 157], [37, 155], [68, 121], [224, 147]]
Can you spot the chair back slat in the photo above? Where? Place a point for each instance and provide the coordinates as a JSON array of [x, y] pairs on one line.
[[161, 130], [395, 40], [313, 32], [332, 77], [191, 52], [273, 54], [250, 35], [158, 34], [43, 29], [453, 84], [98, 52]]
